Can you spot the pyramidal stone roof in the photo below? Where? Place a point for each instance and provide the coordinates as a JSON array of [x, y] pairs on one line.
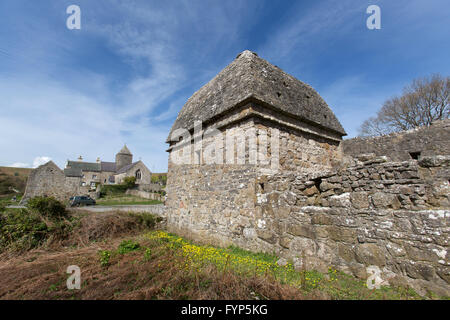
[[125, 150], [251, 77]]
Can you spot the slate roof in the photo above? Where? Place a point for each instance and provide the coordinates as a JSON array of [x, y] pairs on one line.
[[251, 77], [127, 167], [108, 166], [72, 172], [84, 166]]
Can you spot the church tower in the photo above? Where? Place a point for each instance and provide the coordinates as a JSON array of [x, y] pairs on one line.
[[123, 158]]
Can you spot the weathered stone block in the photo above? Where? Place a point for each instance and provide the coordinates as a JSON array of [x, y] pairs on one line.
[[342, 200], [359, 200], [305, 231], [370, 254], [385, 200]]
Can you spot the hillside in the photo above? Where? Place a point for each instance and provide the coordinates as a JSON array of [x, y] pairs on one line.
[[13, 178]]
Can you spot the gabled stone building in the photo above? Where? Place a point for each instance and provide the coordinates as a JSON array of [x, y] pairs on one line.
[[247, 104], [81, 177], [256, 160]]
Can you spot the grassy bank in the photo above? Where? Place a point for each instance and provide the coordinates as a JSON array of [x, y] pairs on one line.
[[159, 265], [126, 256], [122, 199]]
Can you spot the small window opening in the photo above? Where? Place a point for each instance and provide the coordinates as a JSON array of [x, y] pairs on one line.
[[317, 183], [279, 94], [415, 155], [262, 186]]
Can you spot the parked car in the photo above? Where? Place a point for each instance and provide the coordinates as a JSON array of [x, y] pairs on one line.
[[79, 201]]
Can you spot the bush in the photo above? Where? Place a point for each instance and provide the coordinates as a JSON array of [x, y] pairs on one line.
[[113, 189], [130, 182], [47, 207], [146, 219], [22, 229]]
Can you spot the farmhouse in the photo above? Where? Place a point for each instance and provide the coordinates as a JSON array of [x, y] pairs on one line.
[[80, 177]]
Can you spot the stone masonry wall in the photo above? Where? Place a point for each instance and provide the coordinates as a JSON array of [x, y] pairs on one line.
[[390, 214], [49, 180], [432, 140], [394, 215]]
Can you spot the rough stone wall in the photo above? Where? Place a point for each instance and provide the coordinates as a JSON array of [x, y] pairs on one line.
[[432, 140], [49, 180], [390, 214], [303, 152], [144, 194]]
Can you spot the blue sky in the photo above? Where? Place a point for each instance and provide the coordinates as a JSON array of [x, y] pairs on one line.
[[125, 75]]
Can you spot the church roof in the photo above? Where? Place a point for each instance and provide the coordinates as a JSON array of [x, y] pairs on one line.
[[84, 166], [127, 167], [108, 166], [251, 77], [125, 150]]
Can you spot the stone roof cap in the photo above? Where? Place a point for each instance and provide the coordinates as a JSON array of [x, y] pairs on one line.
[[125, 150], [250, 76]]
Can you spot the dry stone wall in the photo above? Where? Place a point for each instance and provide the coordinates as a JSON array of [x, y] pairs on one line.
[[393, 215], [427, 141]]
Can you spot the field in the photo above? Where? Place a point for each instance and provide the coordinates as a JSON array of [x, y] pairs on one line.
[[13, 179], [131, 256]]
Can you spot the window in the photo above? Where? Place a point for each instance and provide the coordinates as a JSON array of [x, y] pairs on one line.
[[138, 175], [94, 176], [415, 155], [83, 184]]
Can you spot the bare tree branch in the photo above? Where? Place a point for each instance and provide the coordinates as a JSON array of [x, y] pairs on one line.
[[424, 101]]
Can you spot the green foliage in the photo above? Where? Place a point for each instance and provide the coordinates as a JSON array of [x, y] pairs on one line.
[[147, 254], [105, 255], [21, 229], [146, 219], [128, 246], [129, 182], [47, 207], [113, 189]]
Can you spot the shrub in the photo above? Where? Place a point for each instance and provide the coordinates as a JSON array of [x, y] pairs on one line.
[[113, 189], [21, 229], [146, 219], [129, 182], [47, 207]]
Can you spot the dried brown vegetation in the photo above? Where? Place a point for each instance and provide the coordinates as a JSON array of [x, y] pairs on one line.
[[155, 274]]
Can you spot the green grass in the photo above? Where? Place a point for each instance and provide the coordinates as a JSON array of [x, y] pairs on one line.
[[7, 200], [114, 200], [335, 284]]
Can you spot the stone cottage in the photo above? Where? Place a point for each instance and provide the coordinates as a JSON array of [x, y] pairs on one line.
[[81, 177], [256, 160], [249, 101]]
